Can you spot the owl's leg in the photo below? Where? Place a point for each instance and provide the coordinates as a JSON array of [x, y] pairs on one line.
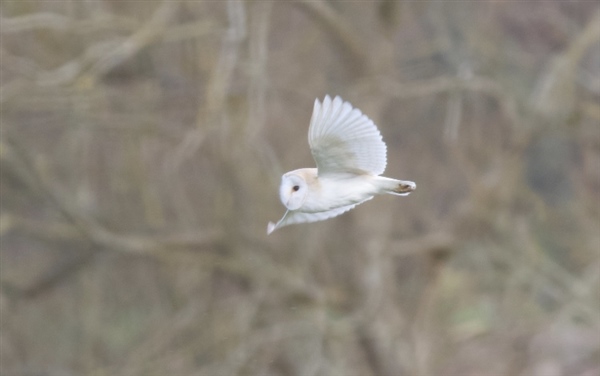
[[394, 186]]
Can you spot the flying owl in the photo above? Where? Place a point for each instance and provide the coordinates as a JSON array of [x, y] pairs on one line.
[[350, 156]]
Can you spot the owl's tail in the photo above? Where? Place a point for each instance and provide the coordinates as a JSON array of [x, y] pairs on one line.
[[394, 186]]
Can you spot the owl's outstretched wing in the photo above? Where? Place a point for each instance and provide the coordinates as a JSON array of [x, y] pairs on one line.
[[342, 139], [292, 217]]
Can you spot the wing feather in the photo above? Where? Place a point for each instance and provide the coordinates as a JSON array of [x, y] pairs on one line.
[[342, 139], [292, 217]]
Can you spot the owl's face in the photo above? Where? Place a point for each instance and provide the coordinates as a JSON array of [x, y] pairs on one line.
[[293, 191]]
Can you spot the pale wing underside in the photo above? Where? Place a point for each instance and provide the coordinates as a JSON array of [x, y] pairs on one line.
[[342, 139], [292, 217]]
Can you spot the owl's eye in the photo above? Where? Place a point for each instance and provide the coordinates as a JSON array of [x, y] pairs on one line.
[[295, 188]]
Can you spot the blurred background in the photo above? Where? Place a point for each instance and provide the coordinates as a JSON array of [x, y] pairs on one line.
[[142, 148]]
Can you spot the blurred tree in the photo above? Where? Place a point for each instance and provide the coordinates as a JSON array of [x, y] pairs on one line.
[[141, 149]]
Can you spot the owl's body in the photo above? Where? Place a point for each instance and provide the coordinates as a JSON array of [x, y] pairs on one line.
[[340, 189], [350, 156], [330, 192]]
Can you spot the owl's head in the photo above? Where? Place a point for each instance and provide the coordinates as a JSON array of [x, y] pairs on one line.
[[293, 191]]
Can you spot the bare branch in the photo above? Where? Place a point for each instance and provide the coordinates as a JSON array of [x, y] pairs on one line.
[[88, 226], [554, 93], [340, 29]]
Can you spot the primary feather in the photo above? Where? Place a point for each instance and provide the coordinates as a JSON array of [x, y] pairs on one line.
[[342, 139], [292, 217]]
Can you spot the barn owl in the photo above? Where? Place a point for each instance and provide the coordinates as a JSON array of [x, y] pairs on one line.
[[350, 156]]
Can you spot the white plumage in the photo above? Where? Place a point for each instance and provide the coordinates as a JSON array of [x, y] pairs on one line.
[[350, 155], [342, 139]]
